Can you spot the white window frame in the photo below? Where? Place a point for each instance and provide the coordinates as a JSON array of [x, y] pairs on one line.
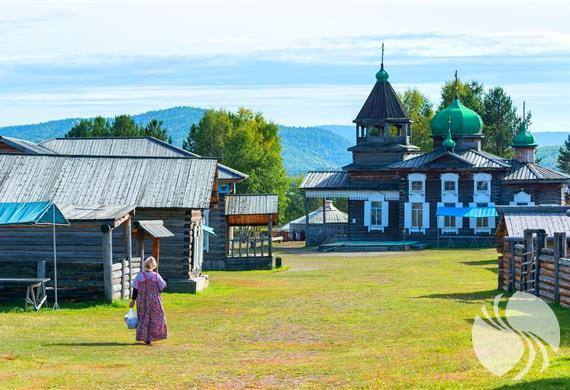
[[521, 198], [368, 213], [482, 196], [491, 221], [458, 220], [416, 195]]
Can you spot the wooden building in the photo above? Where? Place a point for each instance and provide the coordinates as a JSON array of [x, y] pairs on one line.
[[326, 222], [103, 197], [397, 194], [215, 246]]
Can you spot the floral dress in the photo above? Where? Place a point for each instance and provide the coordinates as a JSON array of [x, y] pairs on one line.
[[151, 321]]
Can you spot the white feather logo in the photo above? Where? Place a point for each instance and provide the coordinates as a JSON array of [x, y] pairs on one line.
[[529, 324]]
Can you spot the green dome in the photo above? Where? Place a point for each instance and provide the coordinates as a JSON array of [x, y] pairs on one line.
[[449, 143], [523, 138], [464, 121], [382, 75]]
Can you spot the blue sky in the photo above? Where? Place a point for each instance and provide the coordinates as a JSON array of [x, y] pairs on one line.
[[299, 62]]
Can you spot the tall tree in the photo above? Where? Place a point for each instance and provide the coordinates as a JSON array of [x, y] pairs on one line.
[[564, 157], [122, 126], [420, 110], [155, 129], [470, 93], [125, 126], [247, 142], [499, 122]]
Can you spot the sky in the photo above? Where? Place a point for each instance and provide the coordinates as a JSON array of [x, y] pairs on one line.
[[301, 63]]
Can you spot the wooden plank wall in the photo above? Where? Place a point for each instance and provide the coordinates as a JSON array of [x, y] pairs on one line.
[[217, 248]]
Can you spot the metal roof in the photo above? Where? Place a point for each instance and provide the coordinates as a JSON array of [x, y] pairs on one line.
[[532, 172], [129, 146], [333, 215], [26, 147], [552, 219], [382, 104], [251, 204], [325, 179], [472, 158], [89, 181], [95, 213], [155, 228]]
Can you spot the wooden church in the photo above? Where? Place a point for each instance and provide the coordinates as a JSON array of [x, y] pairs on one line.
[[395, 193]]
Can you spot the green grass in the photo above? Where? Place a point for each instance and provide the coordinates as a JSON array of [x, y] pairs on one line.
[[329, 320]]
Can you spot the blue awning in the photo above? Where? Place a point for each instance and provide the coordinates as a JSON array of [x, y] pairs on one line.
[[208, 230], [468, 212], [31, 213]]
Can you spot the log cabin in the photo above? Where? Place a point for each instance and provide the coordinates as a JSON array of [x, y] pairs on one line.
[[102, 197], [397, 194]]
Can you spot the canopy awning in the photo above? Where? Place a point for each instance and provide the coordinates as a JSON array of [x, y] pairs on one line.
[[467, 212], [31, 213], [154, 228]]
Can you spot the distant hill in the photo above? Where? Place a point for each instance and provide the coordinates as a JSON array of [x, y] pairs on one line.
[[304, 148]]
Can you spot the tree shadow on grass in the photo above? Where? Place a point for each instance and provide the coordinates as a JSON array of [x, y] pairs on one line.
[[468, 297], [549, 383], [480, 263]]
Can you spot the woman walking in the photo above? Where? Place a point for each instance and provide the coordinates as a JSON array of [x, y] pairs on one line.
[[147, 287]]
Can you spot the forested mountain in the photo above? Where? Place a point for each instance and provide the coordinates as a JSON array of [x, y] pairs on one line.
[[303, 148]]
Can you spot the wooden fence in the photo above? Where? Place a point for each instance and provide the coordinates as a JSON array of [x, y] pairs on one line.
[[537, 266]]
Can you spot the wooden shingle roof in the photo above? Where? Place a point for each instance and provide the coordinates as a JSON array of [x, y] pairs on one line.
[[89, 180], [516, 219], [251, 204], [382, 104]]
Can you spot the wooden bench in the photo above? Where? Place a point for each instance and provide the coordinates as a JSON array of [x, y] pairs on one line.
[[36, 293]]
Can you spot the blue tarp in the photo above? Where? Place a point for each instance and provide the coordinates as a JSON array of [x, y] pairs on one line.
[[31, 213], [468, 212]]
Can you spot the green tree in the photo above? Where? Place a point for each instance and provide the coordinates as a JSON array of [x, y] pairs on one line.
[[155, 129], [100, 127], [564, 157], [420, 110], [499, 122], [246, 142], [470, 93], [125, 126]]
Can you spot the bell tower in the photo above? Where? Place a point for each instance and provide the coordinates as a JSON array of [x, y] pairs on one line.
[[383, 127]]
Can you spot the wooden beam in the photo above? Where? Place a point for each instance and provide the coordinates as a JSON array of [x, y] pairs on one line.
[[108, 261], [119, 221], [156, 249], [129, 251], [307, 200], [269, 234]]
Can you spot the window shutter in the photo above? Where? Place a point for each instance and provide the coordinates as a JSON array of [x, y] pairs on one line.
[[440, 220], [426, 216], [367, 213], [472, 221], [459, 220], [407, 215], [385, 210]]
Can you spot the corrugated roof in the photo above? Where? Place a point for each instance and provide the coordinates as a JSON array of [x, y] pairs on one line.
[[251, 204], [382, 104], [552, 219], [333, 215], [155, 228], [89, 181], [26, 147], [532, 171], [129, 146], [95, 213], [325, 179]]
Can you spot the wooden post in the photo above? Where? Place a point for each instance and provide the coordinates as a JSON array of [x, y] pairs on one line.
[[307, 204], [512, 270], [156, 249], [540, 243], [129, 252], [559, 247], [526, 259], [324, 210], [41, 269], [269, 234], [108, 261]]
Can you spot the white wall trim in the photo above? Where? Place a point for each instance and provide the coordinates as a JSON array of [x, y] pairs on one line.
[[521, 197], [354, 194]]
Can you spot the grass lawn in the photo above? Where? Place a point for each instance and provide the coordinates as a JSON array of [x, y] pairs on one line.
[[329, 320]]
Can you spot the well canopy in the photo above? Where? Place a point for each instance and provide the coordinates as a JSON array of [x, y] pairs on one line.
[[468, 212], [31, 213]]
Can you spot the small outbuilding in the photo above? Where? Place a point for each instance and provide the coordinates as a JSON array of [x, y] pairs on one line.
[[326, 222]]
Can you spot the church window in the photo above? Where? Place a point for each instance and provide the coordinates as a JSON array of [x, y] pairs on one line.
[[417, 214]]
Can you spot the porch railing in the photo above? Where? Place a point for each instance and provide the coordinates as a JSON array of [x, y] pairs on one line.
[[253, 247]]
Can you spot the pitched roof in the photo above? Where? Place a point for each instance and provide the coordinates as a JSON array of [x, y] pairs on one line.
[[552, 219], [533, 172], [90, 181], [251, 204], [154, 228], [471, 158], [382, 104], [333, 215], [26, 147], [129, 146], [325, 179], [95, 212]]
